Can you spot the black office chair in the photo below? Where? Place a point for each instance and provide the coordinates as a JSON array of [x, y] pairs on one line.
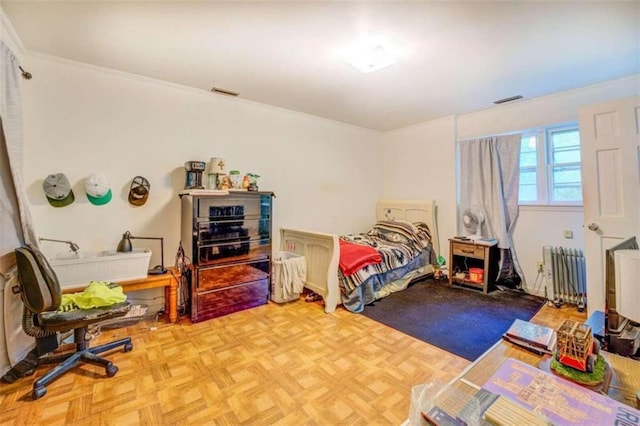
[[41, 294]]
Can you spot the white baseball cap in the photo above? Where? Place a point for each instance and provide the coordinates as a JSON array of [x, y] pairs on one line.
[[98, 189]]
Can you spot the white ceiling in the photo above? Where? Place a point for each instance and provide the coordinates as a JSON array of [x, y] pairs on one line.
[[453, 57]]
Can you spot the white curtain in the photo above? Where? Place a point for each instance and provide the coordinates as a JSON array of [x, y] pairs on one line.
[[489, 182], [16, 226]]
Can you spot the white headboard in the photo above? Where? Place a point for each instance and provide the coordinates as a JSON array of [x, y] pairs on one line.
[[411, 211]]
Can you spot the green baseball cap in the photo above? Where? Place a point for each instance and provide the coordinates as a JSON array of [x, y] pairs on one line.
[[58, 190]]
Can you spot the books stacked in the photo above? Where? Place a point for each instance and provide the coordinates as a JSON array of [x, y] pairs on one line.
[[506, 412], [488, 408], [534, 337]]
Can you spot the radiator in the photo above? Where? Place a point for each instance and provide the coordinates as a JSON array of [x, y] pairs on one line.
[[565, 273]]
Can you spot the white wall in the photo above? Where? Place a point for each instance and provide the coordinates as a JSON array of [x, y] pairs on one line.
[[541, 226], [418, 164], [81, 119], [425, 156]]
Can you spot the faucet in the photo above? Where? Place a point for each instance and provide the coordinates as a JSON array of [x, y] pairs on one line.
[[73, 246]]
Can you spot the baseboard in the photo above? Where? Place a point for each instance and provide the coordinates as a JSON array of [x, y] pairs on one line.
[[540, 292]]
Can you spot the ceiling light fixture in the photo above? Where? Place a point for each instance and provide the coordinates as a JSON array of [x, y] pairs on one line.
[[370, 53], [512, 98]]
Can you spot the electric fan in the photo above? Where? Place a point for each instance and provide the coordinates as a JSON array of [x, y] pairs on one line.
[[472, 221]]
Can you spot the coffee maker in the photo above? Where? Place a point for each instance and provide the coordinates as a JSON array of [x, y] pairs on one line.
[[194, 171]]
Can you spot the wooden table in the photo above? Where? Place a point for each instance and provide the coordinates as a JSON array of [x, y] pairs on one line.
[[625, 381], [169, 281]]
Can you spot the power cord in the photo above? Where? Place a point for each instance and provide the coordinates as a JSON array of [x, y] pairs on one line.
[[180, 259], [182, 266]]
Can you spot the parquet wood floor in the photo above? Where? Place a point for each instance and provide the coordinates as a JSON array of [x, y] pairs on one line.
[[275, 364]]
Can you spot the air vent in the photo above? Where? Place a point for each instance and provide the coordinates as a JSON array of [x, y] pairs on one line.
[[223, 91], [513, 98]]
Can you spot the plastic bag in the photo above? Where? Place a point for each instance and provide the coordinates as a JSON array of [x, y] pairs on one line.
[[422, 399], [438, 399]]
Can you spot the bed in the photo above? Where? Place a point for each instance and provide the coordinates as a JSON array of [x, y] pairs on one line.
[[322, 254]]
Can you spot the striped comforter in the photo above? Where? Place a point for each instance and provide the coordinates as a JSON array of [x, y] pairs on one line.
[[397, 242]]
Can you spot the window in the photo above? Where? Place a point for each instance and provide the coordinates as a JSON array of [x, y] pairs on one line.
[[550, 166]]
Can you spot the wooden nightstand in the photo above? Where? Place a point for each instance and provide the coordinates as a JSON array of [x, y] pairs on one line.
[[467, 254]]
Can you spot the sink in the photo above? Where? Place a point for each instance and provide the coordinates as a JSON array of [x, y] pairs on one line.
[[78, 269]]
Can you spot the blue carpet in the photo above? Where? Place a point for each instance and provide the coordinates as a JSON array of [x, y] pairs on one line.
[[461, 321]]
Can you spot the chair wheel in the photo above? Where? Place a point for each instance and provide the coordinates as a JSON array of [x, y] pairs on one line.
[[38, 392], [128, 347], [111, 370]]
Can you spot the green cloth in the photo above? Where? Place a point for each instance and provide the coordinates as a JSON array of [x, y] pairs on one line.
[[96, 294]]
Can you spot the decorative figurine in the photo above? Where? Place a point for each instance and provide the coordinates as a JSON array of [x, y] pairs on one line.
[[576, 346], [225, 182], [577, 357], [253, 181], [235, 179]]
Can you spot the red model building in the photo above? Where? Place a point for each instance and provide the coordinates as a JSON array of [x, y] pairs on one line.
[[576, 346]]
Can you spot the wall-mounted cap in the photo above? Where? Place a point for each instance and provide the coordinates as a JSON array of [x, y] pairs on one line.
[[139, 191], [98, 189], [58, 190]]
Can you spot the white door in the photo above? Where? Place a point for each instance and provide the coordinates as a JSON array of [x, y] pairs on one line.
[[610, 140]]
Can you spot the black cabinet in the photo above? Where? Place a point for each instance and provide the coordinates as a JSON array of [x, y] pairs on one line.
[[228, 239]]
